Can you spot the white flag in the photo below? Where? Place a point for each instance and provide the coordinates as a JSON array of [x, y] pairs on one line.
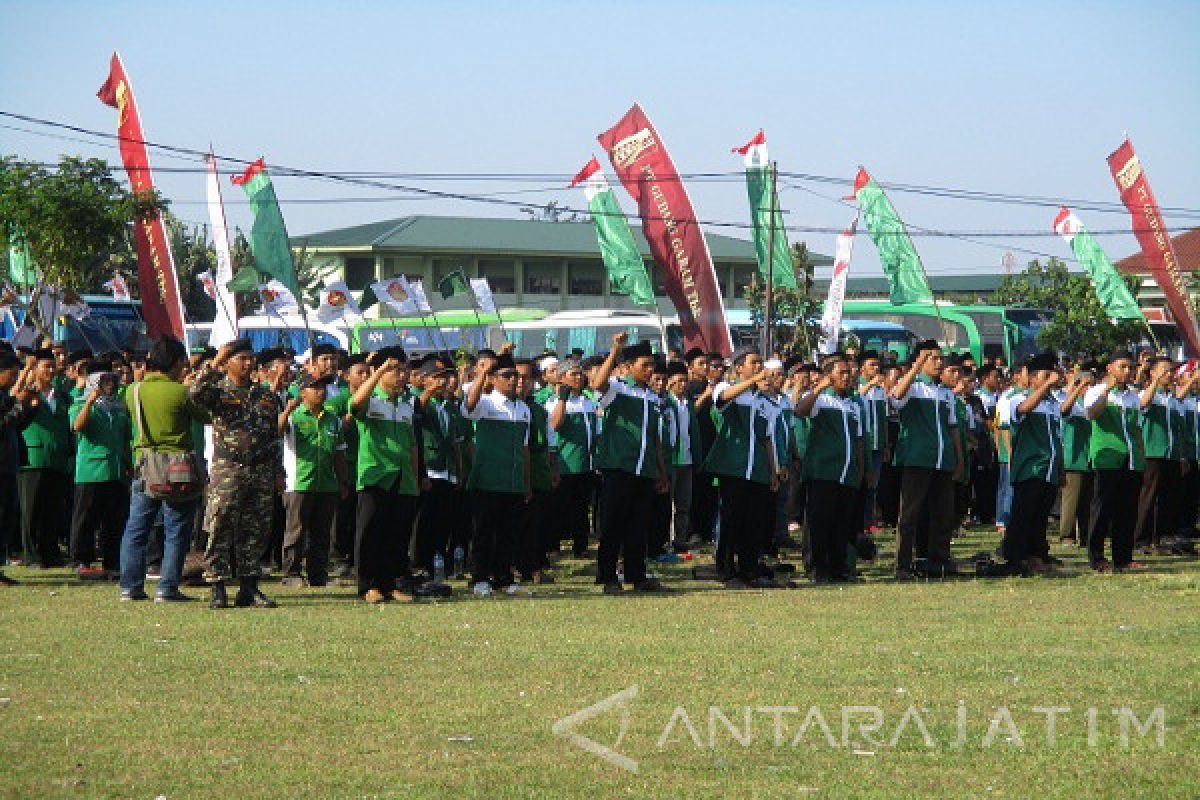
[[831, 321], [72, 305], [336, 302], [224, 327], [418, 292], [483, 295], [277, 299], [397, 294], [119, 288]]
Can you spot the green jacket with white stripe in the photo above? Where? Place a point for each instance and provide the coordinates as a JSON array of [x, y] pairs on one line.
[[1037, 451], [927, 419], [628, 439], [832, 453], [745, 435]]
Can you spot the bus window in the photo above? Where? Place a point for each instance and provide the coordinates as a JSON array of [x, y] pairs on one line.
[[1028, 322], [582, 338]]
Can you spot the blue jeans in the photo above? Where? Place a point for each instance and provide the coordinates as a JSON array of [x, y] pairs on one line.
[[1004, 495], [178, 519]]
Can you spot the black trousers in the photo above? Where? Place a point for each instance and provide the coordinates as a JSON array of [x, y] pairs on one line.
[[888, 494], [99, 508], [1157, 502], [659, 537], [626, 505], [704, 506], [573, 502], [434, 516], [1114, 514], [1025, 535], [926, 495], [273, 552], [44, 502], [10, 516], [341, 548], [307, 533], [983, 485], [529, 544], [498, 517], [385, 522], [1189, 499], [834, 521], [747, 519]]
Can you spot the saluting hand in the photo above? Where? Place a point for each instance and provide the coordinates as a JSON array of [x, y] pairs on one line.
[[619, 339]]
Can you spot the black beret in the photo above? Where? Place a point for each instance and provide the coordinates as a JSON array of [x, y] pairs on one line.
[[44, 354], [867, 355], [1042, 361], [505, 361], [693, 354], [240, 346], [323, 349], [268, 355], [80, 355], [356, 358], [1118, 354], [928, 344], [677, 368], [951, 360], [591, 362]]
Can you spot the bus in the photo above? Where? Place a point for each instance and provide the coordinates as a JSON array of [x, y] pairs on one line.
[[442, 331], [590, 331], [110, 325], [988, 332]]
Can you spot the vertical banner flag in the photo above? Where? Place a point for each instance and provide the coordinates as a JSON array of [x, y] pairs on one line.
[[268, 234], [901, 264], [20, 265], [1118, 301], [161, 306], [1152, 234], [831, 321], [224, 327], [669, 224], [622, 260], [766, 215], [483, 295]]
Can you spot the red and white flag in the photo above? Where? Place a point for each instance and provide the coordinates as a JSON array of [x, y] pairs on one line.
[[755, 150], [119, 288], [831, 321]]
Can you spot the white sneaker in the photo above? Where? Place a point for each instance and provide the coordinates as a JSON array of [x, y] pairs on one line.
[[482, 589], [517, 590]]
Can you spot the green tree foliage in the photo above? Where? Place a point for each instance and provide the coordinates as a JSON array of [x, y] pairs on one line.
[[72, 218], [1080, 325], [795, 313]]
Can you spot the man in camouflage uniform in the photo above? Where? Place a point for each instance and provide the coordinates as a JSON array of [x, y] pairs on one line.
[[245, 472]]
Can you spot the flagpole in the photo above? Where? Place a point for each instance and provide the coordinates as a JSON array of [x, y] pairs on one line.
[[769, 297]]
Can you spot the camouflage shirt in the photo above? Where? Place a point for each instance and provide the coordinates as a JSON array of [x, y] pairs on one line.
[[245, 420]]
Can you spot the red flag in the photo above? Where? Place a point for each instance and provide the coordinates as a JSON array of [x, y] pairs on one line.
[[161, 306], [1152, 234], [669, 224], [589, 169]]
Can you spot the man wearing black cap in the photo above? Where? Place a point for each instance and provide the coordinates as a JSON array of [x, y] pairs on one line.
[[44, 482], [354, 373], [246, 470], [499, 478], [1118, 456], [1036, 467], [930, 454], [1163, 436], [630, 457], [389, 479], [698, 394], [314, 464], [573, 431], [443, 465]]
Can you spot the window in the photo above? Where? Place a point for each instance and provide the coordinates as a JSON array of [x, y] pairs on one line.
[[656, 275], [543, 276], [500, 274], [742, 277], [585, 277], [360, 271]]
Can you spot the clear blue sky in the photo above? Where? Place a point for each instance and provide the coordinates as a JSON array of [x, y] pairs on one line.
[[1022, 98]]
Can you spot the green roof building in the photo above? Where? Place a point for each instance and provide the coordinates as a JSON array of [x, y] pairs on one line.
[[529, 263]]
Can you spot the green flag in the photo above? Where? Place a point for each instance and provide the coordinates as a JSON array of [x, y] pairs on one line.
[[268, 235], [626, 270], [453, 284], [1114, 294], [901, 264], [766, 215], [20, 265], [245, 279]]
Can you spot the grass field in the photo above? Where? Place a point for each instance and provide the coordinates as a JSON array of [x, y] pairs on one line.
[[327, 697]]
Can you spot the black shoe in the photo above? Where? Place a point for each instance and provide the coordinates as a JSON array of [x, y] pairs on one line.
[[173, 597], [7, 581], [763, 582], [652, 586], [130, 595], [249, 595], [614, 588], [905, 575], [219, 598]]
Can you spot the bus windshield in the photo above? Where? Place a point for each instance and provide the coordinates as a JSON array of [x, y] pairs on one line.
[[1027, 324]]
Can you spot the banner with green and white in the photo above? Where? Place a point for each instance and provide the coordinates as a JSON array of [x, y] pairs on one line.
[[622, 259], [1114, 294], [766, 215], [901, 264]]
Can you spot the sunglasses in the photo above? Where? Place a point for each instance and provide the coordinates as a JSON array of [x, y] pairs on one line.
[[507, 374]]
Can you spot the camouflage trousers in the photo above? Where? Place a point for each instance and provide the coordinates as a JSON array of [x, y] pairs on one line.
[[237, 518]]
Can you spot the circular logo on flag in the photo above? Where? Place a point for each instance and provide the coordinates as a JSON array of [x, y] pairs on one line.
[[269, 295], [397, 291], [336, 298]]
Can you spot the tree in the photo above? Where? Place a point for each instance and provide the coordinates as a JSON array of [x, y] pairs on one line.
[[71, 219], [795, 313], [1080, 325]]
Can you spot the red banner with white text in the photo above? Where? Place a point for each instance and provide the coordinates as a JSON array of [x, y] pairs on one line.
[[1152, 234], [669, 224], [157, 287]]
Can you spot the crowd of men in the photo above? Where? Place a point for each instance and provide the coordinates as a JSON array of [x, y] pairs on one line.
[[398, 473]]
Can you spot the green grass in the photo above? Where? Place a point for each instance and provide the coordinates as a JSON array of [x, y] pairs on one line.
[[327, 697]]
